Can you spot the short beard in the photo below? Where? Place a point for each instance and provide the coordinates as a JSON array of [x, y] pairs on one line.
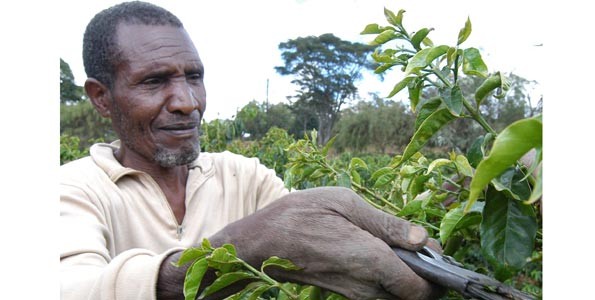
[[169, 159]]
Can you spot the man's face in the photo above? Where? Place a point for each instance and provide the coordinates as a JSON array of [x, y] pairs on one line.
[[158, 95]]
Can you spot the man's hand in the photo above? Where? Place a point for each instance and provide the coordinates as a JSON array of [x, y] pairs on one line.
[[342, 243]]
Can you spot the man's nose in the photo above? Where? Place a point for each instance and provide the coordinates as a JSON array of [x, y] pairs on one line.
[[184, 98]]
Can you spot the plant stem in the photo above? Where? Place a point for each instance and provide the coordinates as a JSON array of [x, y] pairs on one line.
[[367, 191], [269, 280], [425, 224], [477, 117], [474, 113]]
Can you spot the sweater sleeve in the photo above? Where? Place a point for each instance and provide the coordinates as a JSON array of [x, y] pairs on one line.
[[89, 269], [270, 187]]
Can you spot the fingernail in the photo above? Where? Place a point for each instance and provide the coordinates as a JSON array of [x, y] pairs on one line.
[[417, 235]]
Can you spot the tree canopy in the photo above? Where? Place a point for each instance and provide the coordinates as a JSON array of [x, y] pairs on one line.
[[70, 93], [325, 69]]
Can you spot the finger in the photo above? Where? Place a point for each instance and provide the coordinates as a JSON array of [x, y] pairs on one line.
[[434, 245], [399, 280], [392, 230]]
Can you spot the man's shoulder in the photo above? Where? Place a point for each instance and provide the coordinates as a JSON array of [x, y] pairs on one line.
[[78, 170]]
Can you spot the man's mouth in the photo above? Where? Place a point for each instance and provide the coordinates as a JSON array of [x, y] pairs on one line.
[[189, 128]]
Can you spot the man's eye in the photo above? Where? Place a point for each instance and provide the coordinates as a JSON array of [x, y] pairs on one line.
[[153, 81], [194, 76]]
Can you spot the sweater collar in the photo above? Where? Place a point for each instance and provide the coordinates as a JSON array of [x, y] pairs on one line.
[[103, 155]]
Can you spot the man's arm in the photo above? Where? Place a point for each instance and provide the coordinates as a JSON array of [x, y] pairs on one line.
[[342, 243]]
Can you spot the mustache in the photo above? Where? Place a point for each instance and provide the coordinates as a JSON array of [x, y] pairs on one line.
[[179, 119]]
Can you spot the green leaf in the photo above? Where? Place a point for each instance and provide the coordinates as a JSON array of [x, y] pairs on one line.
[[473, 63], [190, 254], [310, 293], [224, 281], [279, 262], [437, 163], [343, 179], [231, 249], [417, 185], [456, 219], [243, 294], [510, 145], [384, 180], [419, 36], [463, 166], [380, 172], [451, 54], [328, 145], [424, 57], [476, 151], [415, 88], [221, 259], [357, 163], [206, 245], [489, 84], [408, 171], [537, 188], [427, 108], [384, 67], [193, 278], [355, 177], [401, 85], [427, 42], [430, 126], [411, 207], [335, 296], [512, 184], [253, 295], [464, 32], [385, 36], [507, 233], [372, 29], [394, 19], [453, 98]]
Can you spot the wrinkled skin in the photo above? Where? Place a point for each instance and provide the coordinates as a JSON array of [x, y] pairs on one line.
[[156, 105], [341, 242]]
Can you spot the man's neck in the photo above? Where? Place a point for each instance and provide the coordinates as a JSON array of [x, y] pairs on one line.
[[172, 181]]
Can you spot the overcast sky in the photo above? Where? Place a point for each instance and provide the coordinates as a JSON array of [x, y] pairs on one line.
[[238, 40]]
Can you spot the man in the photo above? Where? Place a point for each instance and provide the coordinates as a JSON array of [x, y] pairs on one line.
[[131, 207]]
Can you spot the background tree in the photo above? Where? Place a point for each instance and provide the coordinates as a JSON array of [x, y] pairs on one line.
[[380, 124], [325, 69], [255, 119], [78, 117], [70, 93]]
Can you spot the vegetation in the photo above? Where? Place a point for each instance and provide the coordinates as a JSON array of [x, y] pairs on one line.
[[447, 159], [326, 69]]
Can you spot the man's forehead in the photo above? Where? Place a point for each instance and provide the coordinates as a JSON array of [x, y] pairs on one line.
[[153, 39], [126, 32]]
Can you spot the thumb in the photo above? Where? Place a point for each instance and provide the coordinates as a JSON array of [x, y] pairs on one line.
[[392, 230]]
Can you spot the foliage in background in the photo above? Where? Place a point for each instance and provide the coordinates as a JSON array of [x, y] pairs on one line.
[[70, 92], [78, 118], [83, 121], [380, 125], [325, 69], [70, 150]]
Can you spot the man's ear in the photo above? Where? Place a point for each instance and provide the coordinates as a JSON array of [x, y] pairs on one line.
[[99, 95]]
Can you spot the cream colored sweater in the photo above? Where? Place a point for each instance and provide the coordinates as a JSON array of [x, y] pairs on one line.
[[116, 226]]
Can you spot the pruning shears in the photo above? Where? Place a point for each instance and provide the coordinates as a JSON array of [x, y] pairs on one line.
[[447, 272]]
